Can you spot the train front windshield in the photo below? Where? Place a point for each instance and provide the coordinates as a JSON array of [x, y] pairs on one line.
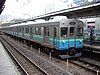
[[64, 31], [71, 32]]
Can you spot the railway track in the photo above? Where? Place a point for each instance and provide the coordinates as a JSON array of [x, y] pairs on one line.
[[88, 64], [95, 55], [95, 47], [46, 65], [81, 62], [28, 67]]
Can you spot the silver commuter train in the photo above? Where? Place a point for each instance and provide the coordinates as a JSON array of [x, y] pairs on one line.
[[92, 24], [65, 36]]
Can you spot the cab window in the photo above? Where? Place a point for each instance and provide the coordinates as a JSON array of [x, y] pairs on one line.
[[64, 31]]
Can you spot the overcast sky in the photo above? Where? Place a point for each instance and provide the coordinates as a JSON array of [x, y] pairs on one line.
[[25, 8], [30, 8]]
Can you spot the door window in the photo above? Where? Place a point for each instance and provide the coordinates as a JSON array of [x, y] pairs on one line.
[[46, 31], [71, 33], [27, 30], [55, 31]]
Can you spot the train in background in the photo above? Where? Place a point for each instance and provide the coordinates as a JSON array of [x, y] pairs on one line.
[[84, 2], [94, 25], [64, 37]]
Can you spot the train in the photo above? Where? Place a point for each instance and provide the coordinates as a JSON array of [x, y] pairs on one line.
[[85, 2], [64, 37], [94, 25]]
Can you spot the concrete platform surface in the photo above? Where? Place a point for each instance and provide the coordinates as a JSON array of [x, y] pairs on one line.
[[6, 65], [92, 46]]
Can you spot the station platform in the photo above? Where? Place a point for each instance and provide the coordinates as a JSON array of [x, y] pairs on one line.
[[7, 67], [95, 48], [92, 46]]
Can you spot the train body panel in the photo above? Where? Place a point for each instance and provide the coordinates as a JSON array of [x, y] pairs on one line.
[[66, 44]]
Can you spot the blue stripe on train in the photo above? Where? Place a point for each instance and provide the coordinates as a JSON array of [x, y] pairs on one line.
[[63, 44], [60, 46]]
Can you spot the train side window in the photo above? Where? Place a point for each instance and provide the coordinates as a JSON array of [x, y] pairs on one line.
[[27, 30], [71, 33], [19, 29], [38, 30], [22, 29], [32, 29], [44, 31], [64, 31]]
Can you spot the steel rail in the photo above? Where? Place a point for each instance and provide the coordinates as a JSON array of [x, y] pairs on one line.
[[44, 72], [83, 66]]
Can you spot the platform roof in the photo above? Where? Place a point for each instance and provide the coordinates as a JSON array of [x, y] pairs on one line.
[[80, 11], [76, 12]]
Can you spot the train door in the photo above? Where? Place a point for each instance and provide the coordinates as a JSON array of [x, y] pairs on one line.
[[23, 31], [72, 36], [31, 33], [46, 35], [53, 36]]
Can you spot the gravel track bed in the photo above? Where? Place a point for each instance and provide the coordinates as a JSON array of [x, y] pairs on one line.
[[26, 64], [74, 69], [45, 64]]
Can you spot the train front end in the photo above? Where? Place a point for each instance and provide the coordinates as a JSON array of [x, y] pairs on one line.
[[71, 38]]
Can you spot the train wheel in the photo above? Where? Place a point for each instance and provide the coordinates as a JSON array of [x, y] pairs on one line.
[[72, 52]]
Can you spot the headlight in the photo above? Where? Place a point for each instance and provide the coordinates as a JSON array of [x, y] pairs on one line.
[[80, 41], [63, 42]]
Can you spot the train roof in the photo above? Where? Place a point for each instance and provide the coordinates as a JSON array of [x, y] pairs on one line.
[[55, 22], [51, 22]]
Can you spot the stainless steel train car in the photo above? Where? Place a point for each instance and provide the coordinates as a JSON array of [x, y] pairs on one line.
[[64, 37], [92, 24]]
